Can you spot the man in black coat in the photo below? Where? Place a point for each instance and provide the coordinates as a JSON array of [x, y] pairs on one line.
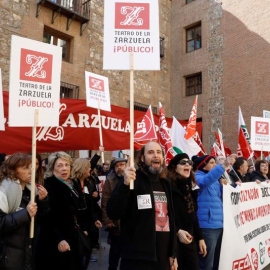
[[146, 214], [240, 168]]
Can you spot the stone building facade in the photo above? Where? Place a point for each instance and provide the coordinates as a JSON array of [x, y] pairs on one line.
[[233, 61], [19, 17]]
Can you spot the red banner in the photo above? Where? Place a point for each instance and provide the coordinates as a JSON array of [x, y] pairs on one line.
[[78, 129]]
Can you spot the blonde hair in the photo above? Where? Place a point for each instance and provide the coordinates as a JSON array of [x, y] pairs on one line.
[[79, 167], [52, 159]]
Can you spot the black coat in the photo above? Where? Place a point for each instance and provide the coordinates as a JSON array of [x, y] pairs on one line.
[[137, 227], [235, 176], [257, 175], [184, 220], [65, 205], [16, 246]]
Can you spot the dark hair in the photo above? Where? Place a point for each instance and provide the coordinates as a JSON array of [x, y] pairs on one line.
[[9, 166], [39, 171], [258, 164], [141, 163], [173, 175], [39, 177], [2, 158], [238, 163]]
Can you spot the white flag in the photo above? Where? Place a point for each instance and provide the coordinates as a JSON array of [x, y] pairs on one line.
[[180, 144]]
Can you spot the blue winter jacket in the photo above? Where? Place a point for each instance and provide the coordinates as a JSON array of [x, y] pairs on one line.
[[210, 207]]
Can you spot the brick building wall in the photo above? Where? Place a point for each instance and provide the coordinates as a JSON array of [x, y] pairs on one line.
[[19, 17], [233, 60]]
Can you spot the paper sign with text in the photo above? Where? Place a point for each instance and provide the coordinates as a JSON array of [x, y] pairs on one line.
[[131, 27], [97, 91], [35, 69], [260, 133], [2, 118]]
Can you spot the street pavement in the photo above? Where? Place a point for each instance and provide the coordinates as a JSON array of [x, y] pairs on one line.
[[102, 255]]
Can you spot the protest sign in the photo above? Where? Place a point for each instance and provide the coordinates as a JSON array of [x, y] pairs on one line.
[[131, 27], [2, 118], [246, 236], [35, 69], [260, 133], [97, 91]]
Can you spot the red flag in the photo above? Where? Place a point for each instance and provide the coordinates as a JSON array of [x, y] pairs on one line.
[[164, 136], [258, 154], [244, 148], [146, 131], [216, 151], [226, 148], [191, 127], [197, 139]]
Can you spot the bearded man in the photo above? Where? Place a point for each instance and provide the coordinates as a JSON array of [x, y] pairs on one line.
[[146, 216]]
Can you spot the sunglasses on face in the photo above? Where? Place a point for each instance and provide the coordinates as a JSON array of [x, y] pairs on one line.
[[184, 162]]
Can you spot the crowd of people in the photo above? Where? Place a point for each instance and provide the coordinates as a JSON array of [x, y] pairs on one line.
[[172, 219]]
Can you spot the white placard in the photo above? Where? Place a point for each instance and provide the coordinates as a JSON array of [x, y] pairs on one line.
[[260, 133], [2, 118], [35, 69], [246, 235], [131, 27], [84, 153], [97, 91], [266, 114]]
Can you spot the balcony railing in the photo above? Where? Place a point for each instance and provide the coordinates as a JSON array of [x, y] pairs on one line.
[[78, 10]]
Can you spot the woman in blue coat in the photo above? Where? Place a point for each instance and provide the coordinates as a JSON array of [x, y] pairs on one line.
[[210, 207]]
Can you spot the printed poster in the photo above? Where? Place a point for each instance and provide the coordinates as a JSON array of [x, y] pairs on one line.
[[131, 27], [2, 118], [97, 91], [35, 69], [260, 133]]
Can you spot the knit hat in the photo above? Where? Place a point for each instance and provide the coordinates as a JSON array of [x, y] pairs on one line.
[[200, 162], [118, 160], [174, 161]]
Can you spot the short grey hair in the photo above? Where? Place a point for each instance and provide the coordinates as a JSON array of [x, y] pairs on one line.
[[52, 159]]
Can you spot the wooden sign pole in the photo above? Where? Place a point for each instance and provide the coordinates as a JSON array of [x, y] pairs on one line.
[[33, 172], [100, 133], [131, 105]]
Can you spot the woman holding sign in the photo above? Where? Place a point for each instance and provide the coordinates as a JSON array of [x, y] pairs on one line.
[[16, 210]]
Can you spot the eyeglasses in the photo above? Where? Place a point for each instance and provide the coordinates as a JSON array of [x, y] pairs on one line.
[[184, 162]]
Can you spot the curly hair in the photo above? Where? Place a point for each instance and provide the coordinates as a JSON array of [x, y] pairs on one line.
[[79, 167], [10, 165], [52, 159]]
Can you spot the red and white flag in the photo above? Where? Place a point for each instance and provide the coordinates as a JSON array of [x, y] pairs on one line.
[[215, 152], [191, 127], [227, 151], [146, 131], [244, 148], [197, 139], [164, 136]]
